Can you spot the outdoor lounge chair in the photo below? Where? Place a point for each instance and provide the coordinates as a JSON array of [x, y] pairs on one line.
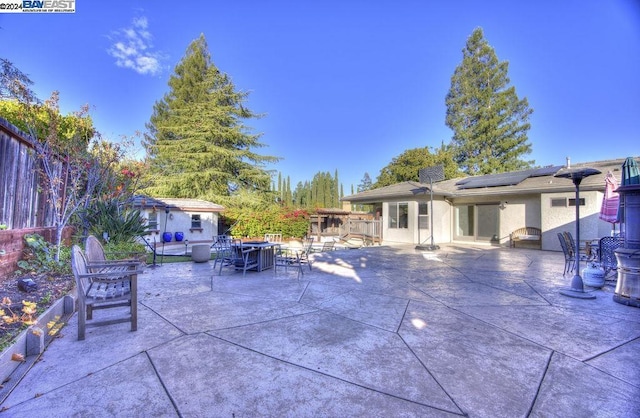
[[326, 246], [108, 286]]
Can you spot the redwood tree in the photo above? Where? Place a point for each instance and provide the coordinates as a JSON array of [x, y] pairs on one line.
[[489, 121]]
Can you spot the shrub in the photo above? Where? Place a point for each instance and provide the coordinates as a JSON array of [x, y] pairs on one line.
[[39, 257], [110, 216], [119, 250], [254, 223]]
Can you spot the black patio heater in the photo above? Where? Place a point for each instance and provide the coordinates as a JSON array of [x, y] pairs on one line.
[[435, 173], [577, 285], [166, 218]]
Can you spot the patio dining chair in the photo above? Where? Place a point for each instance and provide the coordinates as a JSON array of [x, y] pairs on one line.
[[287, 257], [222, 248], [273, 237], [110, 287], [569, 257], [240, 257], [573, 247], [607, 255], [307, 248]]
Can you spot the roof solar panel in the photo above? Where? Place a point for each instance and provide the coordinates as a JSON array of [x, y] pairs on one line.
[[545, 171], [505, 179]]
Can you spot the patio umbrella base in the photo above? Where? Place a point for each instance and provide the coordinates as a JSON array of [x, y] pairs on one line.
[[427, 247], [578, 294]]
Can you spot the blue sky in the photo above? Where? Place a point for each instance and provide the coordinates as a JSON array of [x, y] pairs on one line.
[[347, 84]]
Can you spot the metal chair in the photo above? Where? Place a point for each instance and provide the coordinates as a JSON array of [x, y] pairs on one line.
[[569, 258], [307, 248], [273, 237], [222, 248], [239, 257], [573, 246], [608, 259], [104, 286], [287, 257]]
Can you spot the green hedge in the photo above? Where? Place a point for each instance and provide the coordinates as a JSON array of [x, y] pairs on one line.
[[291, 223]]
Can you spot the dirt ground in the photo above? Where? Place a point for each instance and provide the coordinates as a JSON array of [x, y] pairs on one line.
[[49, 290]]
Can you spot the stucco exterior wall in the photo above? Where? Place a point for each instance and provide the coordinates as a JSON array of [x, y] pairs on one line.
[[559, 219], [514, 212], [411, 235], [179, 221]]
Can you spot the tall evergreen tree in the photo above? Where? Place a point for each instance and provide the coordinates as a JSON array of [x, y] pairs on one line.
[[365, 183], [197, 142], [489, 122]]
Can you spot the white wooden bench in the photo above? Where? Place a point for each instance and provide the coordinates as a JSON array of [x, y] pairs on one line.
[[528, 235]]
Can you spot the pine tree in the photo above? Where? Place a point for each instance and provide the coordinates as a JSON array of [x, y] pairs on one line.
[[365, 183], [488, 120], [197, 142]]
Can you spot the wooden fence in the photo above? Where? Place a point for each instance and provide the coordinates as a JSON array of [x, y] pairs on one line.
[[369, 230], [23, 203]]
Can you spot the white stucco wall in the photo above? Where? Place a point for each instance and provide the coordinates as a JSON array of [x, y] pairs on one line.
[[515, 212], [559, 219], [410, 235], [179, 221], [518, 212]]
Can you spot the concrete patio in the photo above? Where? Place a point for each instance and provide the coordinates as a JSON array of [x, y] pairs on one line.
[[380, 331]]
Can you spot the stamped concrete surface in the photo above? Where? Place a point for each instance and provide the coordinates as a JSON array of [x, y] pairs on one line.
[[380, 331]]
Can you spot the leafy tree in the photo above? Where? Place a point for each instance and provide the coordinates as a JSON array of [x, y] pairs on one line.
[[197, 142], [406, 166], [489, 122], [14, 84], [71, 172], [76, 166]]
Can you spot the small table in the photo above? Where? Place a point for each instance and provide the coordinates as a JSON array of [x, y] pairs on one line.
[[591, 248]]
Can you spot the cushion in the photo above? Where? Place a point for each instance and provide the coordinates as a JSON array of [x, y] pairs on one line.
[[529, 237]]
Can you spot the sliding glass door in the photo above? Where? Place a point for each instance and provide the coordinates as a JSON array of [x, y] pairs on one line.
[[478, 222]]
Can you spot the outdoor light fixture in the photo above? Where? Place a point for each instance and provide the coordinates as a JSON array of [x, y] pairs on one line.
[[577, 285]]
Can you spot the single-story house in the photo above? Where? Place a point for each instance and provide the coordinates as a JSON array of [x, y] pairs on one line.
[[175, 222], [488, 208]]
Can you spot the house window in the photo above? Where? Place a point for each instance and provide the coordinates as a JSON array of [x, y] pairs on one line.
[[423, 215], [398, 215], [559, 202], [196, 222], [572, 202], [153, 220]]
